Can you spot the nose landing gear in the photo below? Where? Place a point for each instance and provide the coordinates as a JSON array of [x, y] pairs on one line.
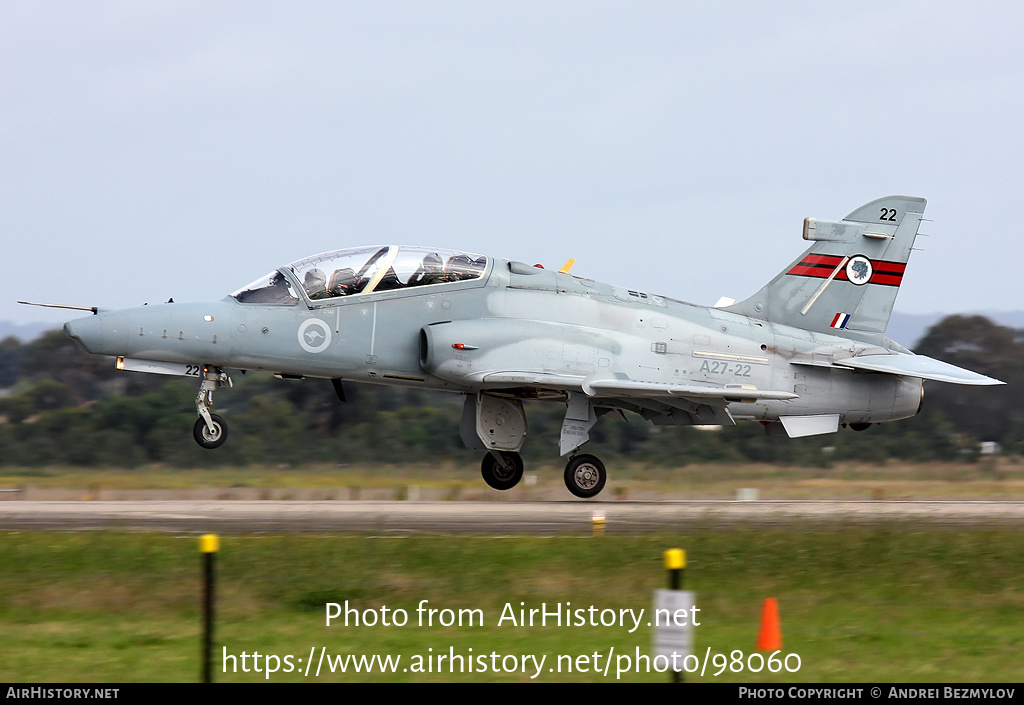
[[210, 434], [210, 430]]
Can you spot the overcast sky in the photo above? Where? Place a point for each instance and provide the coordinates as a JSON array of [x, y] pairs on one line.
[[159, 149]]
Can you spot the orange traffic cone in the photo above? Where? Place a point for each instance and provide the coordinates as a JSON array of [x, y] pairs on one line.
[[770, 638]]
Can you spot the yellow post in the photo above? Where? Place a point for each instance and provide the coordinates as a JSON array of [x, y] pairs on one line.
[[675, 562], [209, 543], [675, 559]]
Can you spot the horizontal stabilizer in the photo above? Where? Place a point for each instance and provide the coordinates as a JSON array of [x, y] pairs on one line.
[[917, 366], [629, 388]]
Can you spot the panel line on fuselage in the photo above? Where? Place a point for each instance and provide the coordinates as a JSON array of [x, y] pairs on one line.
[[373, 330]]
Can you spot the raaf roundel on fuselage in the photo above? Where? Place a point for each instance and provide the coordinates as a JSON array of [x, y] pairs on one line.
[[803, 355]]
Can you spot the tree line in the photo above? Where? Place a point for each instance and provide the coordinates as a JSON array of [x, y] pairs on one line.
[[59, 406]]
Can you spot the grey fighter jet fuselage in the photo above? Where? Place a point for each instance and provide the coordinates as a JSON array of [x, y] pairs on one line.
[[804, 355]]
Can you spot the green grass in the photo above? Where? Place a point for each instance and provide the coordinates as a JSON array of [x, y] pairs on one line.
[[893, 604]]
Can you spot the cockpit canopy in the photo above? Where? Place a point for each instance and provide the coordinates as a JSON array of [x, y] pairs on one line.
[[363, 270]]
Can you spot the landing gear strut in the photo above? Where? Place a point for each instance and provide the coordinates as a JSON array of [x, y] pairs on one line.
[[585, 476], [502, 470], [210, 430]]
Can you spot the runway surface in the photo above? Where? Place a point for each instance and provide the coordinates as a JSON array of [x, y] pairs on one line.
[[503, 517]]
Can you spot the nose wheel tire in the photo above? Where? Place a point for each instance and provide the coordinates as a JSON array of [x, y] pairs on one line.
[[207, 438], [585, 476], [502, 475]]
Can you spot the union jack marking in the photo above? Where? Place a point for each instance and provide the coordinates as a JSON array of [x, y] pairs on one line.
[[840, 320]]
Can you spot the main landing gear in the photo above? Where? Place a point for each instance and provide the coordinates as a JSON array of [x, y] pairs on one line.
[[501, 469], [498, 425], [210, 430], [585, 476]]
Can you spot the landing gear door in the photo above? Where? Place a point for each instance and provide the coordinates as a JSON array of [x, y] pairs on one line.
[[493, 423]]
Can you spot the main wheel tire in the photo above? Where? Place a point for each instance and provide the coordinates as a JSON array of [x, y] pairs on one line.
[[585, 476], [502, 476], [207, 439]]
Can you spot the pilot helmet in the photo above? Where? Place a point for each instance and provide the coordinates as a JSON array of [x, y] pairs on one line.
[[315, 280]]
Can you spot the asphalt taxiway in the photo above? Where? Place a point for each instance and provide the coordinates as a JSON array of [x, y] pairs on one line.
[[502, 517]]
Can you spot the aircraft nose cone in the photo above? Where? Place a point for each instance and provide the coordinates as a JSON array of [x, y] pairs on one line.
[[86, 332]]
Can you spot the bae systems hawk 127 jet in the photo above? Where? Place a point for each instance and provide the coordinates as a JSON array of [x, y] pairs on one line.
[[803, 355]]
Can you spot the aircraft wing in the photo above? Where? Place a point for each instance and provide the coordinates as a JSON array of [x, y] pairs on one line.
[[917, 366], [539, 379], [627, 388], [729, 393]]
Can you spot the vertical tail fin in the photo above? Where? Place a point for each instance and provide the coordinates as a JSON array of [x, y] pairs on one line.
[[849, 277]]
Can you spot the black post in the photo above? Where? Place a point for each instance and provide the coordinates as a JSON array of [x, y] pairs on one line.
[[208, 545]]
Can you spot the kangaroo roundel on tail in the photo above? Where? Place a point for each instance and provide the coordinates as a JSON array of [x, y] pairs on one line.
[[849, 277]]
